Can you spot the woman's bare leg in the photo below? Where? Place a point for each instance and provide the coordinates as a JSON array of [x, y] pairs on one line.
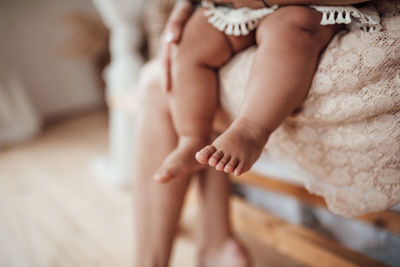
[[289, 44], [217, 245], [156, 207]]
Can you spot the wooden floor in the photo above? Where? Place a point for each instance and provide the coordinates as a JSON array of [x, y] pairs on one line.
[[53, 213]]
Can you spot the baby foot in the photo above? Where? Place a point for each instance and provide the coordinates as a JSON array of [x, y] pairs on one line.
[[181, 162], [236, 150]]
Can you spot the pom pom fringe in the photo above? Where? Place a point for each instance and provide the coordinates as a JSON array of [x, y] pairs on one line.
[[242, 21], [236, 22], [343, 15]]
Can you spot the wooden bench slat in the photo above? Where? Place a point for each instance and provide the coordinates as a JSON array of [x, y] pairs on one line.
[[387, 220], [297, 242], [279, 186]]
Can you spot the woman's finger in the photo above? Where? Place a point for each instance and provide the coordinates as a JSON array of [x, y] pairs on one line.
[[177, 20]]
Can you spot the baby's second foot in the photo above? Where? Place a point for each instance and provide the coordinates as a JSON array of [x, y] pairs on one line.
[[236, 150], [181, 162]]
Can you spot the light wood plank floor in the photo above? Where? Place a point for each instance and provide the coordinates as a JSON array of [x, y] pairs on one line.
[[53, 213]]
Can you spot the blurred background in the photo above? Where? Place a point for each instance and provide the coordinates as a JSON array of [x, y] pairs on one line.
[[65, 155], [68, 74], [53, 137]]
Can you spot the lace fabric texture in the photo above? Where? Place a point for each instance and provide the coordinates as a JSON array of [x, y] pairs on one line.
[[344, 143], [242, 21]]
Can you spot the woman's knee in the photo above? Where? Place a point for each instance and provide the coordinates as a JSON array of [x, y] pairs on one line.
[[150, 91], [290, 22]]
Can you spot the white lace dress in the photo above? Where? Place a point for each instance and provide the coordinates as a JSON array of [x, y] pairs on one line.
[[344, 144]]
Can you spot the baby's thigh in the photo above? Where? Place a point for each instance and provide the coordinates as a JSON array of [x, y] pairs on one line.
[[290, 20], [202, 43]]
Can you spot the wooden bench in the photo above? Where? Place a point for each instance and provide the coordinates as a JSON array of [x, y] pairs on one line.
[[299, 242]]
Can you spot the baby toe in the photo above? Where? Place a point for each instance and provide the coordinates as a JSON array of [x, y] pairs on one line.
[[221, 164], [204, 154], [215, 158], [239, 169], [230, 167]]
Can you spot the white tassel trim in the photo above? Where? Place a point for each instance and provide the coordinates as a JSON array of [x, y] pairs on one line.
[[242, 21], [236, 22], [343, 15]]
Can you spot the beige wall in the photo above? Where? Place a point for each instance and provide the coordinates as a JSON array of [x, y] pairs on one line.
[[32, 36]]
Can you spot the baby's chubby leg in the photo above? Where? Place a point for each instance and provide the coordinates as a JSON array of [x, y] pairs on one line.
[[290, 41], [193, 99]]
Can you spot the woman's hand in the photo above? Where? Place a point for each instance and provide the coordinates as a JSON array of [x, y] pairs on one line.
[[172, 35]]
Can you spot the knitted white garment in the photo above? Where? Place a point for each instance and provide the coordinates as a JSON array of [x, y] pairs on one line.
[[344, 143], [243, 20]]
